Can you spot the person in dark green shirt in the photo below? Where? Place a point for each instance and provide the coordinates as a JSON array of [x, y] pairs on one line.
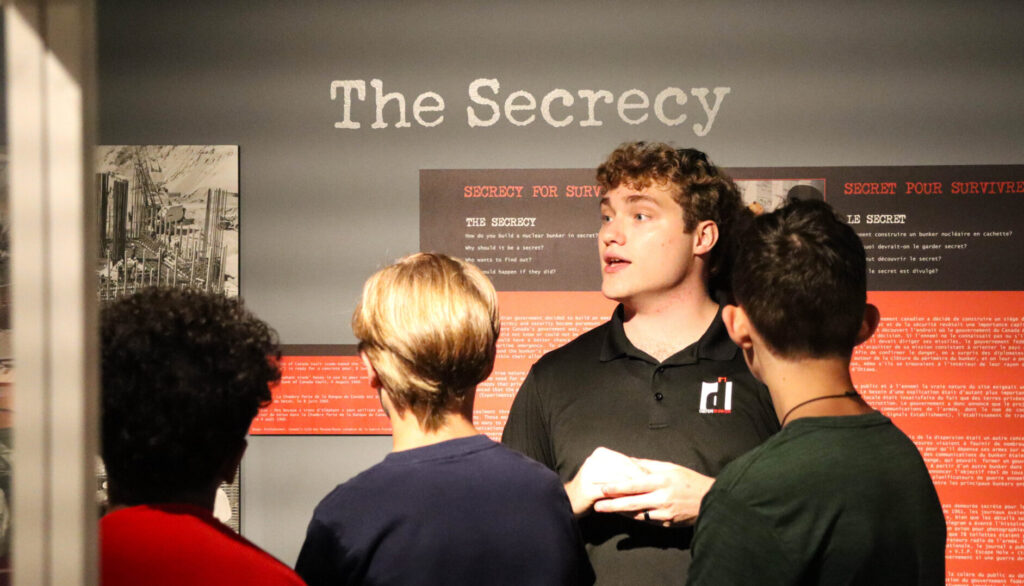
[[840, 495]]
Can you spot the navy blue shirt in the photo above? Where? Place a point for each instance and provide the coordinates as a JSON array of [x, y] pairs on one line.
[[464, 511]]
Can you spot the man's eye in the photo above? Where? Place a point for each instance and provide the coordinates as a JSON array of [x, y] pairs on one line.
[[605, 219], [641, 217]]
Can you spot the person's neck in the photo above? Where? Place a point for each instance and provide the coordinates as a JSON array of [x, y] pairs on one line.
[[812, 387], [203, 499], [407, 433], [665, 325]]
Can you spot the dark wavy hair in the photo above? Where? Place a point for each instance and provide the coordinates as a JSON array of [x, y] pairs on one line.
[[183, 375], [800, 274], [703, 190]]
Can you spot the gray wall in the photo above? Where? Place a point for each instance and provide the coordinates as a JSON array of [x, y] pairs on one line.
[[869, 83]]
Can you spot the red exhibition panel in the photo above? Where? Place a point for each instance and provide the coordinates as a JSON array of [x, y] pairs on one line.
[[946, 367], [532, 324], [322, 395]]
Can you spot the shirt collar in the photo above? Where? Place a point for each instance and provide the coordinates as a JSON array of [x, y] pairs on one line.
[[715, 344]]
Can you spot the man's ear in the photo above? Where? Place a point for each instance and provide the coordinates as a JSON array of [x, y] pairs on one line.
[[869, 324], [371, 372], [738, 325], [705, 237]]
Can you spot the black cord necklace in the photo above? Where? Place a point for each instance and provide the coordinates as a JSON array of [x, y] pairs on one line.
[[851, 393]]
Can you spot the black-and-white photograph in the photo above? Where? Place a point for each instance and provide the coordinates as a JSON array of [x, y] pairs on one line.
[[168, 217], [769, 194]]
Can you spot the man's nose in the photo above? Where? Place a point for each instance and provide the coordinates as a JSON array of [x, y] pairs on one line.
[[611, 233]]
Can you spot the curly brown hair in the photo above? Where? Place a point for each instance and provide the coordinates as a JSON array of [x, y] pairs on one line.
[[183, 375], [699, 187]]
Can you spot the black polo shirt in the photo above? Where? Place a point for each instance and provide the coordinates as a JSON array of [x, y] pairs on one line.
[[700, 408]]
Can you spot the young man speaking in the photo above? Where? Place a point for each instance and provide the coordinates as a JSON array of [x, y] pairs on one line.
[[636, 414]]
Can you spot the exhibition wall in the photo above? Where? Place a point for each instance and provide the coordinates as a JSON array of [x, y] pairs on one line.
[[369, 130]]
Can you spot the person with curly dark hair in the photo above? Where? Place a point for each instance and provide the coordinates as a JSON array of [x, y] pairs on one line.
[[840, 495], [184, 373], [638, 414]]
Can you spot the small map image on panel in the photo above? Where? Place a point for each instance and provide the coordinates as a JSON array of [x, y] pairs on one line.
[[168, 217]]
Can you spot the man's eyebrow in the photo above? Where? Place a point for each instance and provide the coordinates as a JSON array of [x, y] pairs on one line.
[[640, 197], [631, 199]]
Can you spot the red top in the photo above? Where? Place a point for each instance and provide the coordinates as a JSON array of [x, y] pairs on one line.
[[174, 544]]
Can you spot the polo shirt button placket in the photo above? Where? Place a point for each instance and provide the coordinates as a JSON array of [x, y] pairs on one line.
[[658, 370], [658, 417]]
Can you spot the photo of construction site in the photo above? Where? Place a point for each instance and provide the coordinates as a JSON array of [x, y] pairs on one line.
[[168, 217]]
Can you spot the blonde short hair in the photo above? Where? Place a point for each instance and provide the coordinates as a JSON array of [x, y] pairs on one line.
[[429, 325]]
